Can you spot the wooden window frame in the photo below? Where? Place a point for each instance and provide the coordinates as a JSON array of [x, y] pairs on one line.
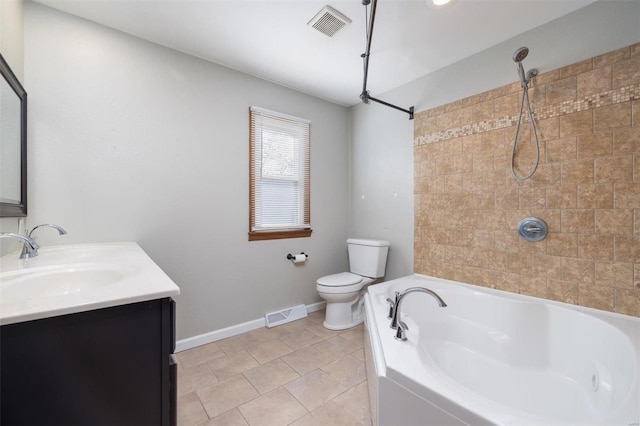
[[278, 233]]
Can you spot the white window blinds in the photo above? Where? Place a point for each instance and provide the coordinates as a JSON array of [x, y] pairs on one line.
[[279, 171]]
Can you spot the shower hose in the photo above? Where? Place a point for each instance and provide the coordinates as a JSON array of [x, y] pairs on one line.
[[525, 95]]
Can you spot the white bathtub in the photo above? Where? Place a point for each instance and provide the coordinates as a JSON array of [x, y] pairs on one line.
[[492, 357]]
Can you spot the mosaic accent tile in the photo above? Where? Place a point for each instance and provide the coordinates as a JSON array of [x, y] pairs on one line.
[[597, 100]]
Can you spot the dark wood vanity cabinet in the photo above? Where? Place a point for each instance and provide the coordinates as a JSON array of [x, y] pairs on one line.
[[110, 366]]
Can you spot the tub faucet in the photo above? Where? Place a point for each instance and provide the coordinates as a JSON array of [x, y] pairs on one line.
[[395, 321], [30, 246], [27, 254]]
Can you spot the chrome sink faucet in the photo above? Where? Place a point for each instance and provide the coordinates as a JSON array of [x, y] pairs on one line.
[[27, 254], [29, 246], [395, 320]]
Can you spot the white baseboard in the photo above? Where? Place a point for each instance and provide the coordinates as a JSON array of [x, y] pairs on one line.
[[213, 336]]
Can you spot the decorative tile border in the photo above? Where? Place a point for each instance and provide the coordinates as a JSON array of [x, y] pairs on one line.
[[609, 97]]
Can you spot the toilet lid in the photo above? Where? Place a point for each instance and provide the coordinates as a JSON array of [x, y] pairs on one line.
[[340, 280]]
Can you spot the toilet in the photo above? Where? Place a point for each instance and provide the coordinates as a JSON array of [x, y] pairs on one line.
[[344, 292]]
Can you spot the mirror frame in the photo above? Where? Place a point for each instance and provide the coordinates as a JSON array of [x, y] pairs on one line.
[[17, 209]]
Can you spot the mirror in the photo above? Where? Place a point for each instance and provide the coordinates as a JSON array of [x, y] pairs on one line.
[[13, 144]]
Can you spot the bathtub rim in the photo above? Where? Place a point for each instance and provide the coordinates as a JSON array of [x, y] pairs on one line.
[[616, 319], [512, 295], [444, 393]]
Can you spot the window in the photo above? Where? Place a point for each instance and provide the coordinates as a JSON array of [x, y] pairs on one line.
[[278, 176]]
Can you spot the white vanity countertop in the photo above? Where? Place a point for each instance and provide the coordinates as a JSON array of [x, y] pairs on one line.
[[75, 278]]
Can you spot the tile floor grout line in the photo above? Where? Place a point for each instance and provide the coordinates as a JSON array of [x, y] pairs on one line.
[[336, 354]]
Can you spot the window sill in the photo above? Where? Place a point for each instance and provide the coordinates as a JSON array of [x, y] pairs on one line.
[[277, 235]]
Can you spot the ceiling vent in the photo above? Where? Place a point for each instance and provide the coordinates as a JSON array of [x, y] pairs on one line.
[[329, 21]]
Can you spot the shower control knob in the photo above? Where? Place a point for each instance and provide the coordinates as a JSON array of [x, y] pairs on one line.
[[532, 229]]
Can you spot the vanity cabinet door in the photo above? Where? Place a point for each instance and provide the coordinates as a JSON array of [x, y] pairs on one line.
[[103, 367]]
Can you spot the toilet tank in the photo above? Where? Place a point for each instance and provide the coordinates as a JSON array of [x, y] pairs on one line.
[[368, 257]]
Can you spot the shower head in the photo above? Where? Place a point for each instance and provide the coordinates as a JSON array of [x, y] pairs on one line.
[[518, 57], [520, 54]]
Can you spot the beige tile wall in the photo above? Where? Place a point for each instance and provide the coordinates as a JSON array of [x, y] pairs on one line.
[[587, 187]]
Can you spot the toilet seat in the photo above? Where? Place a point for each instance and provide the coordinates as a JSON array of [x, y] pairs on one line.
[[342, 283], [340, 280]]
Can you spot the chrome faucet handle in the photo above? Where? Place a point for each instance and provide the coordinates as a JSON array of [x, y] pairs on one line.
[[27, 254], [392, 305], [401, 331], [29, 246]]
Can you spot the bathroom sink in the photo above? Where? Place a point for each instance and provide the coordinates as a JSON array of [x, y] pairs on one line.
[[75, 278], [59, 281]]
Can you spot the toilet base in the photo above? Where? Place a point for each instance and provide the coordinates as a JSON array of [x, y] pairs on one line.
[[344, 315], [342, 327]]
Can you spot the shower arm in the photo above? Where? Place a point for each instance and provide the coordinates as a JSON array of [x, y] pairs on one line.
[[365, 96]]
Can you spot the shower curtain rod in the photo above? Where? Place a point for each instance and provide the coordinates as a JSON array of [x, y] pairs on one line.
[[364, 96]]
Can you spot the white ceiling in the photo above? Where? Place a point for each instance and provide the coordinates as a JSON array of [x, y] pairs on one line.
[[270, 39]]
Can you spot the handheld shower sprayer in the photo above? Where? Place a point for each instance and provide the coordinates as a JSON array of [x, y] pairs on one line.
[[520, 54], [518, 57], [525, 78]]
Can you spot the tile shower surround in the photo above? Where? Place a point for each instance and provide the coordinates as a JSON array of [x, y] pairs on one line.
[[587, 186]]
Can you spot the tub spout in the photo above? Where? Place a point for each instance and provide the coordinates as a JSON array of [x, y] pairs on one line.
[[396, 313]]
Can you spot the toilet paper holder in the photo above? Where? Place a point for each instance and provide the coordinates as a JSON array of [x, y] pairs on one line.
[[292, 257]]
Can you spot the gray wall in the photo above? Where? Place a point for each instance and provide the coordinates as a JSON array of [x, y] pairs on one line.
[[382, 182], [131, 141], [12, 35], [382, 138]]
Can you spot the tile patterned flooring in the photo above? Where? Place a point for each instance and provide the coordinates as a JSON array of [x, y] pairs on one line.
[[298, 374]]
